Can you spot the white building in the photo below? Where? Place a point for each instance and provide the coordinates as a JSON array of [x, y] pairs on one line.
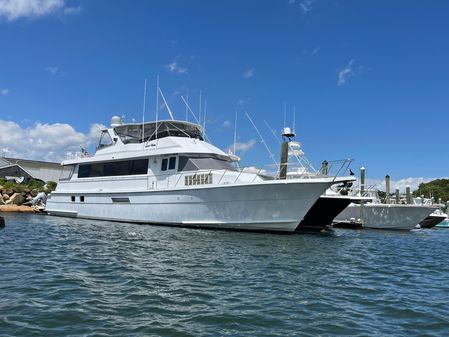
[[30, 169]]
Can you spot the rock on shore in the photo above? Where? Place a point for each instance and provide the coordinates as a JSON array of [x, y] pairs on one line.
[[10, 197]]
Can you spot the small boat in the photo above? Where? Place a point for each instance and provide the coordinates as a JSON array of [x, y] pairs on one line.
[[434, 218], [443, 224]]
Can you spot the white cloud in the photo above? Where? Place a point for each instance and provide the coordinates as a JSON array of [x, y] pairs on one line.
[[94, 133], [413, 182], [243, 146], [174, 67], [54, 70], [4, 92], [348, 71], [305, 5], [73, 10], [248, 73], [226, 124], [15, 9], [49, 142], [243, 101]]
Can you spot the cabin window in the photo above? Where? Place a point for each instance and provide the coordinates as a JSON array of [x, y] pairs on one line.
[[172, 163], [67, 171], [164, 164], [115, 168], [82, 198], [72, 198], [105, 139], [203, 163]]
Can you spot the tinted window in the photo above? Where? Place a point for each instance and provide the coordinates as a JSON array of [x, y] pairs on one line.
[[115, 168], [172, 163], [164, 164], [203, 163]]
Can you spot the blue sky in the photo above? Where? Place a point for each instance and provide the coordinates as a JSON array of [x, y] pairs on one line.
[[369, 79]]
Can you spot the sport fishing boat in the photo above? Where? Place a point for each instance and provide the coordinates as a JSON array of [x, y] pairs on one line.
[[377, 215], [164, 172], [372, 212]]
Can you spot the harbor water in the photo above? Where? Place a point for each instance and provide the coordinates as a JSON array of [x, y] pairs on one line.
[[71, 277]]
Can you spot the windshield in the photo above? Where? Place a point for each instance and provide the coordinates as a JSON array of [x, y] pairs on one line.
[[132, 133]]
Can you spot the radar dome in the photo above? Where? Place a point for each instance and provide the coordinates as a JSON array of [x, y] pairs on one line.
[[116, 121]]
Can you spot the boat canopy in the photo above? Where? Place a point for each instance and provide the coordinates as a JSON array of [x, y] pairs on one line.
[[132, 133]]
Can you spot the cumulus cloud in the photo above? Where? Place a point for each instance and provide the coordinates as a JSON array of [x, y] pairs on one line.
[[72, 10], [48, 142], [4, 92], [348, 71], [226, 124], [305, 5], [54, 70], [243, 101], [13, 10], [174, 67], [248, 73], [243, 147]]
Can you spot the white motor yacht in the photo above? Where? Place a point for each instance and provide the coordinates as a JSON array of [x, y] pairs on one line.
[[164, 172]]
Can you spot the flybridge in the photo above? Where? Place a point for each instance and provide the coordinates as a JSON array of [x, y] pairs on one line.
[[132, 133]]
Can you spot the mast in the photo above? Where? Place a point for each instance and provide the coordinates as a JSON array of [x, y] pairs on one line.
[[188, 107], [204, 121], [143, 110], [235, 130], [199, 116], [187, 111], [285, 112], [166, 104], [271, 155], [157, 104], [294, 117]]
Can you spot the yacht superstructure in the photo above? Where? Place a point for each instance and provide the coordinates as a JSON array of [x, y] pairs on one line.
[[164, 172]]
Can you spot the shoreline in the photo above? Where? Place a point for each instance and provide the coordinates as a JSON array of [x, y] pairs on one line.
[[15, 208]]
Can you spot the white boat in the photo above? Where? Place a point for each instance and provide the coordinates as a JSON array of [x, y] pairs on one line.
[[435, 217], [167, 174], [386, 216], [377, 215]]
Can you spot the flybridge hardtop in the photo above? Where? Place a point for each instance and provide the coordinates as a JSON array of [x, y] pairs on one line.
[[123, 141], [132, 133]]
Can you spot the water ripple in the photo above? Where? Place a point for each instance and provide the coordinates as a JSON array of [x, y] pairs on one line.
[[75, 277]]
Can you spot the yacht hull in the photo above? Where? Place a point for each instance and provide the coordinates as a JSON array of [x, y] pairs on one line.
[[323, 212], [269, 206], [384, 216], [432, 220]]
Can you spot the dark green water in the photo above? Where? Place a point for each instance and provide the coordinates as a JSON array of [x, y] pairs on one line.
[[66, 277]]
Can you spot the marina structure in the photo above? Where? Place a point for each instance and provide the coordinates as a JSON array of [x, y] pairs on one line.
[[164, 172], [24, 170]]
